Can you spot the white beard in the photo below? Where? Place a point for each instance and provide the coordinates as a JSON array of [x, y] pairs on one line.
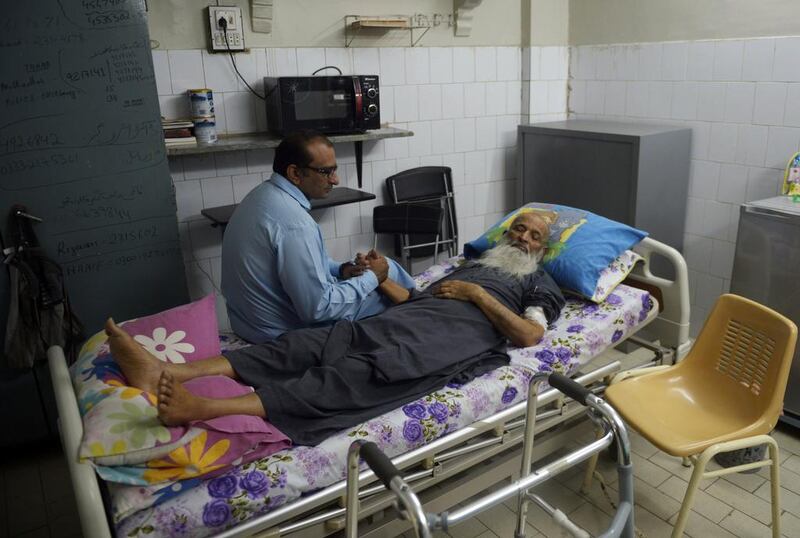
[[510, 260]]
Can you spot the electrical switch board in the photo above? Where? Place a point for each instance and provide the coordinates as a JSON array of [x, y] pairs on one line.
[[226, 28]]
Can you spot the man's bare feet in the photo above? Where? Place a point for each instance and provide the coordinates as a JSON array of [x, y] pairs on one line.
[[141, 369], [176, 405]]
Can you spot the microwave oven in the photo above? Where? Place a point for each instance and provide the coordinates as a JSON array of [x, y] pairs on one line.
[[328, 104]]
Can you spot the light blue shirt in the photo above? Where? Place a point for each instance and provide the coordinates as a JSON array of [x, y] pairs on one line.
[[277, 275]]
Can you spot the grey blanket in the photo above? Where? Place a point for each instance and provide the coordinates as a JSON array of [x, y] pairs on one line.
[[315, 382]]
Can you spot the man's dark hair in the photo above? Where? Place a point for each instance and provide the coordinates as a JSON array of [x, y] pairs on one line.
[[293, 149]]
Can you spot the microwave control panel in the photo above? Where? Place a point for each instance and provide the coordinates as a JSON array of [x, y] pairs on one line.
[[225, 22], [369, 92]]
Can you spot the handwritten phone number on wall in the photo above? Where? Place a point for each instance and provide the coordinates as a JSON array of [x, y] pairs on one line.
[[109, 17], [103, 213], [89, 248], [117, 261], [23, 165], [19, 143]]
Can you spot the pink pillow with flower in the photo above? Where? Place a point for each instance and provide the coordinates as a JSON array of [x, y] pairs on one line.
[[185, 333], [121, 426]]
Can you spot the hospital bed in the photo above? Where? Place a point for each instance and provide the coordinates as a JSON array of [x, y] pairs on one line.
[[445, 462]]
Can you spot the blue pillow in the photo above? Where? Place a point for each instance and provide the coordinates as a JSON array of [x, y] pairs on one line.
[[581, 244]]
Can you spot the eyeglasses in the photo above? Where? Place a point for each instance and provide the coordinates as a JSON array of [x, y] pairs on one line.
[[328, 171]]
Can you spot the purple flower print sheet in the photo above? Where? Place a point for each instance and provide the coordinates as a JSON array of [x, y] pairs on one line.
[[206, 507]]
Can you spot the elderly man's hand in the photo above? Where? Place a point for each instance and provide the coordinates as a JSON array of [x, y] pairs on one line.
[[377, 264], [458, 289]]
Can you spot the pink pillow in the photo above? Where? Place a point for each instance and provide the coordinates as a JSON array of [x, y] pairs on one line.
[[185, 333], [217, 387], [120, 424]]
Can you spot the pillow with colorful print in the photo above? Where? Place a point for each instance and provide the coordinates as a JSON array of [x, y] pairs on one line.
[[121, 426], [120, 422], [581, 244]]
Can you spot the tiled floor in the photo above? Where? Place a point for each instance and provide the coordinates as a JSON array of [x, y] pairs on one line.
[[36, 497], [734, 505]]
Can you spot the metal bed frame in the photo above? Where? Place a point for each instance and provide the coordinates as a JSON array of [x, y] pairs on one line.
[[466, 461]]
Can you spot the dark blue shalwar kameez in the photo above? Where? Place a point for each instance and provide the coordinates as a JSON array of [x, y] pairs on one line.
[[315, 382]]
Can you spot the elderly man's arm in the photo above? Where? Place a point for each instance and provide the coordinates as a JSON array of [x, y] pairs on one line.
[[391, 289], [394, 291], [520, 331]]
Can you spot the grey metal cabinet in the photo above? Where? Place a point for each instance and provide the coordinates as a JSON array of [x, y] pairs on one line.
[[630, 172], [765, 270]]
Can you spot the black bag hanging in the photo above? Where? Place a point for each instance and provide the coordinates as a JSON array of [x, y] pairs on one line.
[[39, 314]]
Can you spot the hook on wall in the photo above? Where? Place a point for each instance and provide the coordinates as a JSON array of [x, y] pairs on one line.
[[25, 214]]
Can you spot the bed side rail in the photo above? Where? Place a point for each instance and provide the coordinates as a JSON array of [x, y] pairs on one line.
[[671, 326], [70, 426], [281, 522]]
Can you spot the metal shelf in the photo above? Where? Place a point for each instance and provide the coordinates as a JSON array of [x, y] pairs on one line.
[[353, 24], [219, 216], [381, 22], [239, 142], [267, 140]]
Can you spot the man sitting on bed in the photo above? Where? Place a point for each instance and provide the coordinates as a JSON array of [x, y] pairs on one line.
[[276, 273], [313, 382]]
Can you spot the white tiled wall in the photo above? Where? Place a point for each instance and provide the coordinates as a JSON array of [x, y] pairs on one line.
[[544, 86], [462, 103], [742, 100]]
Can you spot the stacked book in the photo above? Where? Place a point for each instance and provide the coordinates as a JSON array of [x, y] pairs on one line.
[[178, 133]]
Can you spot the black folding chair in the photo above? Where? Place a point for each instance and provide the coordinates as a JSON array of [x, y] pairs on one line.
[[431, 186], [405, 220]]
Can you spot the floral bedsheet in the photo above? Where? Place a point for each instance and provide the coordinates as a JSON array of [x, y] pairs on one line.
[[199, 507]]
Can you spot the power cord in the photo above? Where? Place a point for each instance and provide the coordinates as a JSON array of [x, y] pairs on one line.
[[224, 25], [600, 480], [326, 67], [209, 277]]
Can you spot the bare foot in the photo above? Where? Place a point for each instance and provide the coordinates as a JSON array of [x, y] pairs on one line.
[[141, 369], [176, 405]]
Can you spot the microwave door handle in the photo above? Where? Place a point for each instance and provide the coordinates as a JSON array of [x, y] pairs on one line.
[[358, 103]]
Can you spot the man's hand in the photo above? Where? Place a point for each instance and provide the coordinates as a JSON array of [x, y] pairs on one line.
[[351, 269], [373, 255], [377, 264], [458, 289]]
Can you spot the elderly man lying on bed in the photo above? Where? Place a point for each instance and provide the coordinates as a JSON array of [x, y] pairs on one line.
[[313, 382]]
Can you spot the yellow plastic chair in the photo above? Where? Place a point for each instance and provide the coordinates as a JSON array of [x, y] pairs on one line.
[[725, 395]]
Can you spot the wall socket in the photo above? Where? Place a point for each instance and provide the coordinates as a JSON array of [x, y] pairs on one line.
[[232, 16]]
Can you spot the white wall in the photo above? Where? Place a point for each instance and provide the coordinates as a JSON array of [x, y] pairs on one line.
[[462, 103], [594, 22], [545, 22], [183, 24], [741, 98]]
